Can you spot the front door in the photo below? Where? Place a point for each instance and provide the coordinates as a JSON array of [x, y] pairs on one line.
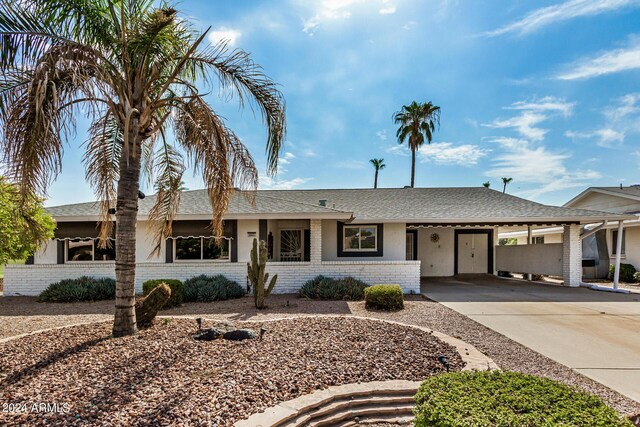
[[473, 253]]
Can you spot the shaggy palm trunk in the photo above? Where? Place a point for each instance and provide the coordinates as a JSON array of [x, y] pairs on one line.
[[375, 181], [413, 166], [124, 322]]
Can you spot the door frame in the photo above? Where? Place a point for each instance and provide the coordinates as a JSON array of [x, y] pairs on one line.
[[489, 234], [414, 256]]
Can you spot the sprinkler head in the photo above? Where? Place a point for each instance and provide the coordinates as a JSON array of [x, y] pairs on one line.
[[199, 322]]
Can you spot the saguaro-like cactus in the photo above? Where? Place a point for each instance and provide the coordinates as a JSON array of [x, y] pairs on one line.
[[257, 275]]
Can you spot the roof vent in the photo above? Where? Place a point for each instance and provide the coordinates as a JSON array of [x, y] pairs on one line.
[[407, 186], [322, 202]]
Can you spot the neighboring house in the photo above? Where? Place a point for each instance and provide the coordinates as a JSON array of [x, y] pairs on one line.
[[376, 235], [599, 249]]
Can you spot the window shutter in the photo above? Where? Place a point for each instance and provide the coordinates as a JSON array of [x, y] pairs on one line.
[[307, 245], [60, 251], [169, 251], [233, 224]]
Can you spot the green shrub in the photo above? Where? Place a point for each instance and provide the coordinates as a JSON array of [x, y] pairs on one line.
[[211, 288], [627, 272], [384, 297], [507, 399], [81, 289], [321, 287], [177, 290], [636, 277]]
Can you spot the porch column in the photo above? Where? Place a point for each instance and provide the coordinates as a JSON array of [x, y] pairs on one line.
[[529, 241], [616, 273], [315, 248], [572, 255]]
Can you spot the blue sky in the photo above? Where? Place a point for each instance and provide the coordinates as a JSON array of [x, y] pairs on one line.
[[545, 92]]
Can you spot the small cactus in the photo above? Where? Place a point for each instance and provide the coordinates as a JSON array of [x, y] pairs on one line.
[[147, 308], [257, 275]]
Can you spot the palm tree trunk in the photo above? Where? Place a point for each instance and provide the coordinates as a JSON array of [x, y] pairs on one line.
[[124, 322], [375, 181], [504, 188], [413, 166]]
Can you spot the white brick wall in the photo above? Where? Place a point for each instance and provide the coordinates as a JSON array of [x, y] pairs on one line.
[[33, 279], [572, 255]]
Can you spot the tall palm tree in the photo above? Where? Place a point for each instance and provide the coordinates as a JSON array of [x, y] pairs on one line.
[[417, 122], [378, 164], [505, 181], [135, 70]]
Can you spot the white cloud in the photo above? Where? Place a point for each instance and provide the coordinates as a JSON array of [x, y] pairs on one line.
[[268, 183], [542, 17], [533, 112], [524, 124], [614, 61], [286, 159], [537, 165], [382, 135], [398, 149], [328, 10], [448, 153], [308, 152], [545, 104], [622, 118], [607, 137], [225, 33]]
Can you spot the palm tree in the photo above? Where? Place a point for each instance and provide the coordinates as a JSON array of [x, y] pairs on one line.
[[135, 70], [418, 122], [378, 164], [505, 181], [486, 184]]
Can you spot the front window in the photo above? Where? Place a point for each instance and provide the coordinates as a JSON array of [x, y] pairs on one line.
[[89, 250], [538, 240], [614, 239], [201, 248], [360, 238]]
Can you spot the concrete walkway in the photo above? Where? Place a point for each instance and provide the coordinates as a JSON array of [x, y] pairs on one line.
[[594, 333]]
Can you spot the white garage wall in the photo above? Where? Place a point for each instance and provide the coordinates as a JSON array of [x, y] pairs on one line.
[[436, 258]]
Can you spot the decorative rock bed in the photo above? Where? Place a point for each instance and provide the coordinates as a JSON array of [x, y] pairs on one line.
[[164, 376]]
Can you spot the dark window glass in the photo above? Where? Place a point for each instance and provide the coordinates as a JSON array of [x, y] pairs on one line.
[[80, 250], [106, 254], [614, 238], [188, 248], [211, 250]]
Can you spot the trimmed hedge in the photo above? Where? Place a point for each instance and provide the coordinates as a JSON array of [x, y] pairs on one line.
[[627, 272], [205, 288], [508, 399], [83, 288], [326, 288], [176, 286], [384, 297]]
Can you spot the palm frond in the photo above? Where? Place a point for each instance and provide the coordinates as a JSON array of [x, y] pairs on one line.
[[240, 76], [169, 168], [101, 160]]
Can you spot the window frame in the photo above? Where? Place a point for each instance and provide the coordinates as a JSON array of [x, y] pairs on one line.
[[614, 243], [93, 251], [343, 252], [219, 260], [359, 234]]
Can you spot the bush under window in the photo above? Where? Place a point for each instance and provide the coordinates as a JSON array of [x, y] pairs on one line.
[[384, 297], [627, 272], [507, 399], [81, 289], [176, 286], [326, 288], [205, 288]]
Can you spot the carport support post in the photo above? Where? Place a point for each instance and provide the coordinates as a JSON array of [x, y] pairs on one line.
[[572, 255], [616, 272], [529, 241]]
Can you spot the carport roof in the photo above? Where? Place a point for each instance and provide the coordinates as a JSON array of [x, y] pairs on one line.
[[419, 206]]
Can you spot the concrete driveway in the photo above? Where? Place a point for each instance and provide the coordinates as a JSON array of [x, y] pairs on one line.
[[594, 333]]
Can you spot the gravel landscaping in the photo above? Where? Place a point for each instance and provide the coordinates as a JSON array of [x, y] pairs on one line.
[[418, 311], [163, 376]]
